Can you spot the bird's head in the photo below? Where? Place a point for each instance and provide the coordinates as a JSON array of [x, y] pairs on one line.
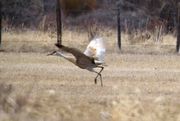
[[53, 53]]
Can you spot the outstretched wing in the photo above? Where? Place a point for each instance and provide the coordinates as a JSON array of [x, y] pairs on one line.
[[96, 49]]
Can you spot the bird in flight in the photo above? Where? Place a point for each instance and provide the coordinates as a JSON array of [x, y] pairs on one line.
[[93, 56]]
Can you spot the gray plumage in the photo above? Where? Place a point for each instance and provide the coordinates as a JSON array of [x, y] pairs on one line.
[[87, 60]]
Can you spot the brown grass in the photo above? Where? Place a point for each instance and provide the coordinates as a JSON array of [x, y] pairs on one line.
[[36, 87], [138, 87], [37, 41]]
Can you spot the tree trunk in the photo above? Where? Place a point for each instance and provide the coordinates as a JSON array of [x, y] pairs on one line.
[[178, 30], [119, 28], [0, 23], [59, 22]]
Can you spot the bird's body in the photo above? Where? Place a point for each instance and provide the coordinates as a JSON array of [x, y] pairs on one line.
[[93, 57], [79, 59]]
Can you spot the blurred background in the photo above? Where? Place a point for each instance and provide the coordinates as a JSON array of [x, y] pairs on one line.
[[143, 22]]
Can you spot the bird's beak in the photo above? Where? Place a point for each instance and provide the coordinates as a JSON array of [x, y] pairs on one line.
[[51, 53]]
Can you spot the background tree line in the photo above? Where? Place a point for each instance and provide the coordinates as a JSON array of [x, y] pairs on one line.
[[30, 13]]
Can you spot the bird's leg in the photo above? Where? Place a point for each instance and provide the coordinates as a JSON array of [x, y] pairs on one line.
[[95, 80], [99, 74]]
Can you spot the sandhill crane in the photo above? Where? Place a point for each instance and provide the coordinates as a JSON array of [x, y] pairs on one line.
[[93, 56]]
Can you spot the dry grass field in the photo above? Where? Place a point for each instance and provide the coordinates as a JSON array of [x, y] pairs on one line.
[[36, 87], [38, 41], [136, 88]]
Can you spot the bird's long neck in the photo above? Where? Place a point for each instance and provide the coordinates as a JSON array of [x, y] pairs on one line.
[[69, 58], [73, 51]]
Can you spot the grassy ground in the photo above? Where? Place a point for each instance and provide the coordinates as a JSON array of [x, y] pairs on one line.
[[38, 41], [141, 83], [137, 87]]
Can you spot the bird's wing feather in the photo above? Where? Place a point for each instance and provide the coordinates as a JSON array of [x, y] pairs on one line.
[[96, 49]]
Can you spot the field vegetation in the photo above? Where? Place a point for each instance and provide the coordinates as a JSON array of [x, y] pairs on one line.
[[136, 87], [141, 82], [39, 41]]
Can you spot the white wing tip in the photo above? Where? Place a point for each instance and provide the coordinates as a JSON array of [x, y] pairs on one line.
[[96, 49]]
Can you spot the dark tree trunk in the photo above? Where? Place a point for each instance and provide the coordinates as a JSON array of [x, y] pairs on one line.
[[119, 27], [59, 23], [0, 23], [178, 30]]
